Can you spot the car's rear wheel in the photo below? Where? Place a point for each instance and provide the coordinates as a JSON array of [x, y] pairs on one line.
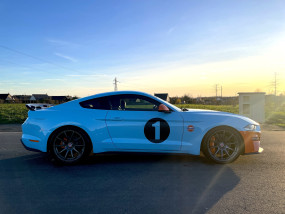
[[222, 145], [70, 145]]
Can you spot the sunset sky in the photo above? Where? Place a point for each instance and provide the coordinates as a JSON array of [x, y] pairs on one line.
[[75, 47]]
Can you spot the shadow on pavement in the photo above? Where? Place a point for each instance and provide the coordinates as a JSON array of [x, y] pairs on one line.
[[113, 183]]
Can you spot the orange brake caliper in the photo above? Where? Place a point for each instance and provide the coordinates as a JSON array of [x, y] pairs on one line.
[[212, 144], [62, 143]]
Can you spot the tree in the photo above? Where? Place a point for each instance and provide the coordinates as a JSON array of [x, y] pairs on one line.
[[75, 97], [186, 98], [173, 99], [178, 101]]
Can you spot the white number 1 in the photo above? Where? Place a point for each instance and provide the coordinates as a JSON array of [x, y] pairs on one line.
[[157, 130]]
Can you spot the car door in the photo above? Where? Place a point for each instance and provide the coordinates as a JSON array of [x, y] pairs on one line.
[[134, 123]]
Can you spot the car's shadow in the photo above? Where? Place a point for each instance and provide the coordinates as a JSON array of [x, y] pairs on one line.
[[114, 183]]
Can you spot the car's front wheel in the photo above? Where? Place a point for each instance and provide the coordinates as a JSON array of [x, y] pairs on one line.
[[70, 145], [222, 145]]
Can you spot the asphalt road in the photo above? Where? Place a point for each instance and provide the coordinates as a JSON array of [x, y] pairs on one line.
[[142, 183]]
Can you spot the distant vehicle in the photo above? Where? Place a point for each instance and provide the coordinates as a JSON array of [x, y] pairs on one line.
[[129, 121]]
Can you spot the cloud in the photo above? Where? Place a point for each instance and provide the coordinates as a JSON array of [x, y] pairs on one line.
[[66, 57], [86, 75], [53, 79], [58, 42], [6, 82], [170, 30]]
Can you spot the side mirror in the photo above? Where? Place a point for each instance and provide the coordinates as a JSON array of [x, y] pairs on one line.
[[163, 108]]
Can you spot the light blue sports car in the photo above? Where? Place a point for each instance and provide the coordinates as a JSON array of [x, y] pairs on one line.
[[130, 121]]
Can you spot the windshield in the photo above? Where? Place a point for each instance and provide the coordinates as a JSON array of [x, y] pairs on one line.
[[174, 107], [169, 104]]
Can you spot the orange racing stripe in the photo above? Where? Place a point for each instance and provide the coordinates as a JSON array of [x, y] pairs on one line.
[[251, 141]]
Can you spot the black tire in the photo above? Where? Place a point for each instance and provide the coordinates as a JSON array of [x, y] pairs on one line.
[[222, 145], [70, 145]]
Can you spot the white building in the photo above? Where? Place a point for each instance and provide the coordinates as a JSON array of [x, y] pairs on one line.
[[252, 104]]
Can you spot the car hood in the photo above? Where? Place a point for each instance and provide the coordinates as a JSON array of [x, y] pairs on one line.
[[202, 114]]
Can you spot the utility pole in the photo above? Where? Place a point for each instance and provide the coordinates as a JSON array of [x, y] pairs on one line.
[[275, 89], [216, 91], [116, 84], [221, 91], [275, 84]]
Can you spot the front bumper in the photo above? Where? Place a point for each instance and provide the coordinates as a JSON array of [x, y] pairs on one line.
[[251, 142]]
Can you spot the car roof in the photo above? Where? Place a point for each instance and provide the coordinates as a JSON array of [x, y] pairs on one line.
[[76, 102], [115, 93]]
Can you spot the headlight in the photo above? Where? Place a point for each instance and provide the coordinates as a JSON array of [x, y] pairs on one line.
[[250, 127]]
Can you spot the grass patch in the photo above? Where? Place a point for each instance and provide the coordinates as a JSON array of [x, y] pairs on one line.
[[17, 113], [277, 118], [13, 113], [225, 108]]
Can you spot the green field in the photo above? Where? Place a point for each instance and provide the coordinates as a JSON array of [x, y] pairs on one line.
[[17, 113], [225, 108], [13, 113], [276, 117]]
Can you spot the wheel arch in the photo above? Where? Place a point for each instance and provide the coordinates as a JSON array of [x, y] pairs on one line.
[[58, 129], [223, 126]]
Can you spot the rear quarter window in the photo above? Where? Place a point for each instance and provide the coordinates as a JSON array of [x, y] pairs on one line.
[[96, 103]]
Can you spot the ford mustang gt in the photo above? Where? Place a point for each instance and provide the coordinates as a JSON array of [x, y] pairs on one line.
[[129, 121]]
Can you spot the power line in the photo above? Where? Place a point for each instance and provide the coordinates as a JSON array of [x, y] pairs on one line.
[[36, 58], [274, 85], [22, 66]]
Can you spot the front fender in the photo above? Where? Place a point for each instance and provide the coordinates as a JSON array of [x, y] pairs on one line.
[[203, 121]]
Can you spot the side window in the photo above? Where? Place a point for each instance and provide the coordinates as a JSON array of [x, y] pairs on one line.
[[130, 102], [97, 103]]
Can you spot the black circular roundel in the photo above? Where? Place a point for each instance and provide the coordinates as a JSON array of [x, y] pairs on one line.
[[156, 130]]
